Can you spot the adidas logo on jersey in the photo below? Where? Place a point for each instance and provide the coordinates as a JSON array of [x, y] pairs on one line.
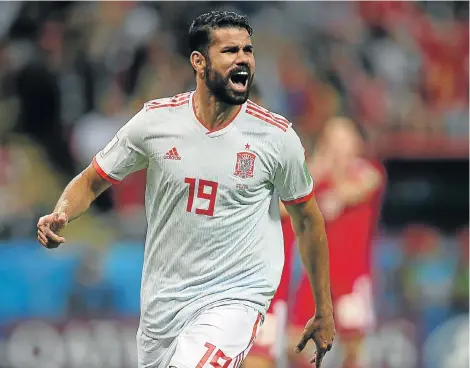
[[172, 155]]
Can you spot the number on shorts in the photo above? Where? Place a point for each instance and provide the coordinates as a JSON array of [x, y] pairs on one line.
[[215, 359]]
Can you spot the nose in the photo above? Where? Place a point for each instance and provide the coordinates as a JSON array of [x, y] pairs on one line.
[[243, 58]]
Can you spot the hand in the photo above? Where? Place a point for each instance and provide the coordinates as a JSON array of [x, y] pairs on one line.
[[330, 205], [322, 331], [48, 228]]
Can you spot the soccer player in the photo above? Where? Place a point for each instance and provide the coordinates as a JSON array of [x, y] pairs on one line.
[[348, 189], [213, 252]]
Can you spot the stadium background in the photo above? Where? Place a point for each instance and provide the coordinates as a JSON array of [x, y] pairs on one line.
[[71, 74]]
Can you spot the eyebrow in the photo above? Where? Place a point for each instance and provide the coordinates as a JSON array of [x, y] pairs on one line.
[[230, 47]]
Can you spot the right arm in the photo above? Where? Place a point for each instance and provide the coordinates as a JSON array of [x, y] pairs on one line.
[[74, 201], [123, 155], [80, 193]]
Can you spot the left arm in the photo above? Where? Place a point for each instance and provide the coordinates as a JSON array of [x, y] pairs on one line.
[[295, 186], [309, 228]]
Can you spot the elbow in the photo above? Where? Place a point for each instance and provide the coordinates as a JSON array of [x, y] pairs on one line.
[[93, 183], [309, 225]]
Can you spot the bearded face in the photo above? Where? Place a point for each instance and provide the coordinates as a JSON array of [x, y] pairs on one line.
[[230, 65], [233, 88]]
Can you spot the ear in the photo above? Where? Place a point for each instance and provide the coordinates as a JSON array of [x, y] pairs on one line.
[[198, 61]]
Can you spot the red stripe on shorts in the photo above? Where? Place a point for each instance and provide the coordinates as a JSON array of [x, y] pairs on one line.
[[255, 328]]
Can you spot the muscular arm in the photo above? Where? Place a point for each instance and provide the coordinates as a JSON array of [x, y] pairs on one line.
[[80, 193], [76, 199], [122, 156], [309, 228]]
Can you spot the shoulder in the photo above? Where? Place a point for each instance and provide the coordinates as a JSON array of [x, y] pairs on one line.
[[162, 110], [276, 131], [154, 116], [167, 103], [267, 120]]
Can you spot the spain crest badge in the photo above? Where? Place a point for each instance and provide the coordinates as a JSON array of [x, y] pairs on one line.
[[245, 165]]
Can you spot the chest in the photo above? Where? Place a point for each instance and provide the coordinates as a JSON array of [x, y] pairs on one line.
[[236, 165]]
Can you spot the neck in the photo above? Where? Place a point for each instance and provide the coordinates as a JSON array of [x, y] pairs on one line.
[[211, 112]]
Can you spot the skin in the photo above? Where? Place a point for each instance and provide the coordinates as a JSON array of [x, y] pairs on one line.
[[75, 200], [258, 361], [309, 228], [230, 49]]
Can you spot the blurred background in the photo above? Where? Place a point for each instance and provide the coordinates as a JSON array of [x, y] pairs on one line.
[[72, 73]]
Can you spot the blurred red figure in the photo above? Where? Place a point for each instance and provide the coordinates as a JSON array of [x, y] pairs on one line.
[[348, 190]]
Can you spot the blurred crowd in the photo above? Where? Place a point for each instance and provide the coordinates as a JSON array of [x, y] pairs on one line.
[[72, 73]]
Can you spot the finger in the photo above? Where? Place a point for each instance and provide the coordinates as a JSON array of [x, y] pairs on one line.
[[42, 238], [314, 357], [41, 222], [45, 220], [59, 222], [301, 345], [51, 235], [46, 243], [42, 241], [48, 231], [318, 358], [320, 342]]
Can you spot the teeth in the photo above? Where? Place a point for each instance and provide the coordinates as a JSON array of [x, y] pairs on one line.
[[242, 73]]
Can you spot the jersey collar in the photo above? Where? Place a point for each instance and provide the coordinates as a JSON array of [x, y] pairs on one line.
[[213, 133]]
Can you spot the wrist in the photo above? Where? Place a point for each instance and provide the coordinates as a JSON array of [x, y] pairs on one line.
[[326, 311]]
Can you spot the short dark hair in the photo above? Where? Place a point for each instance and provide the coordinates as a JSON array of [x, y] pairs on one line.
[[201, 27]]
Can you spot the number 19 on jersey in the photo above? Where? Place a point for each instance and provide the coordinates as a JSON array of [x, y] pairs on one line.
[[202, 193]]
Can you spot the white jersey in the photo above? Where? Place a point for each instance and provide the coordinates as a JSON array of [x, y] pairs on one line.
[[214, 234]]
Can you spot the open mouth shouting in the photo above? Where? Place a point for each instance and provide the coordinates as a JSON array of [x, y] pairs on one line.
[[239, 81]]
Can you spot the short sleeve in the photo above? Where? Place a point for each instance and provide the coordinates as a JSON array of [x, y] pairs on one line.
[[292, 179], [124, 154]]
